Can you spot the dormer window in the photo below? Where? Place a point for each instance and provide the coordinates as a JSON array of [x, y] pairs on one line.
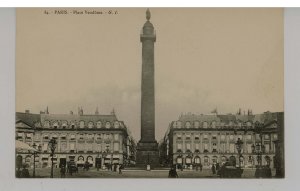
[[64, 124], [99, 124], [47, 124], [81, 124], [178, 124], [205, 125], [196, 124], [72, 125], [116, 124], [188, 125], [107, 125], [249, 124], [213, 124], [91, 125], [55, 125]]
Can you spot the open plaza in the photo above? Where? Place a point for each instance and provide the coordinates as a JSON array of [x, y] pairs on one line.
[[132, 173]]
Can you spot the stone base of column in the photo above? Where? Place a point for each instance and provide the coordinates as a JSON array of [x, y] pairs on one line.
[[147, 154]]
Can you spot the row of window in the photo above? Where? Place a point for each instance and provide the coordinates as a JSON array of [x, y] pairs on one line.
[[71, 136], [213, 124], [71, 147], [223, 147], [82, 124], [250, 160], [223, 137]]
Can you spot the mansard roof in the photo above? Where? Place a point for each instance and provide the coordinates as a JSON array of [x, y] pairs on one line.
[[87, 118], [28, 118], [36, 120], [265, 117]]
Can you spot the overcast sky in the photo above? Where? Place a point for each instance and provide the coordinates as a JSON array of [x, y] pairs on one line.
[[204, 58]]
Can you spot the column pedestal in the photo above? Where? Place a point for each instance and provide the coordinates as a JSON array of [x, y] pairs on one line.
[[147, 153]]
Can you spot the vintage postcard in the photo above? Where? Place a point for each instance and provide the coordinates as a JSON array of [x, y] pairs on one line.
[[149, 93]]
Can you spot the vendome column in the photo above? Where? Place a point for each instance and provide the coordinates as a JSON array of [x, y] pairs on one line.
[[147, 148]]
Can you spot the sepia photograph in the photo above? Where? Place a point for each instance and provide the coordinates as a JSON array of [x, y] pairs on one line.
[[149, 93]]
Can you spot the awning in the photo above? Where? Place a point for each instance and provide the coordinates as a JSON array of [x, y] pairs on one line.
[[23, 147], [116, 156]]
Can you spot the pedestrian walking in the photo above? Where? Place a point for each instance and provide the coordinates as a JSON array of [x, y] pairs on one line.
[[25, 172], [173, 173], [201, 167], [63, 171], [121, 168], [213, 168]]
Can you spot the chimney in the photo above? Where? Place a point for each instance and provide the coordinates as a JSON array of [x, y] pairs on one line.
[[97, 112], [27, 111]]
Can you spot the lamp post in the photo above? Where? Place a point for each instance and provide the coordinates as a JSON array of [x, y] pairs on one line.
[[239, 144], [34, 156], [52, 145]]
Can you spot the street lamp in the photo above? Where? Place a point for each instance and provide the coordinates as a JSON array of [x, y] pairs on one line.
[[52, 145], [238, 145], [34, 156]]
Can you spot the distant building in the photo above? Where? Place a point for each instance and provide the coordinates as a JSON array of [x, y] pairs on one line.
[[209, 139], [98, 139]]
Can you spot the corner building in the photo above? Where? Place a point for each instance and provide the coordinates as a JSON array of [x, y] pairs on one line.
[[98, 139], [209, 139]]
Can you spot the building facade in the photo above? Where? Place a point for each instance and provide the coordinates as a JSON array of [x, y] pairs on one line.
[[209, 139], [99, 139]]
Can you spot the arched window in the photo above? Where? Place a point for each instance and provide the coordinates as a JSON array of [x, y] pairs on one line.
[[107, 125], [90, 125], [206, 161], [99, 124], [197, 160], [196, 124], [28, 159], [81, 124], [188, 125], [214, 159], [188, 160], [179, 160], [116, 124], [90, 159], [81, 159], [223, 159]]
